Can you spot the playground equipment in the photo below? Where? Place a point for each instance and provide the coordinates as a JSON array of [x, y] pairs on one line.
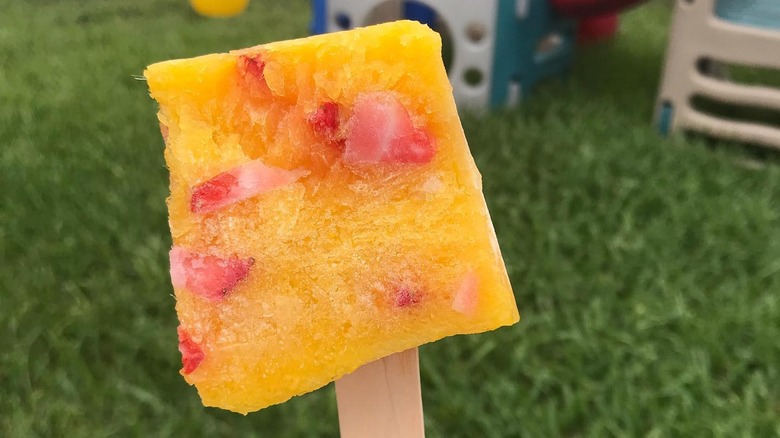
[[500, 48], [598, 19], [705, 35]]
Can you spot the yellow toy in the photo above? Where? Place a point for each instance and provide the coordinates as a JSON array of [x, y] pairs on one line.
[[219, 8]]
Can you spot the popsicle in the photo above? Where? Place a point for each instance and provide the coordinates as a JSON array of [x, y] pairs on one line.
[[325, 211]]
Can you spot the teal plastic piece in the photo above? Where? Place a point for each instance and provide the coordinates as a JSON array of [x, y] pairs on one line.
[[665, 118], [517, 58], [754, 13]]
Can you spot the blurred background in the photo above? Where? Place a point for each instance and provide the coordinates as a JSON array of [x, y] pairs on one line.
[[647, 269]]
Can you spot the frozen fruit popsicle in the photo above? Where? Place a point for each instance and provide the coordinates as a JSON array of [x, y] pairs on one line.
[[325, 211]]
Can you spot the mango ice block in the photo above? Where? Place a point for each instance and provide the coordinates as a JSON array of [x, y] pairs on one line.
[[325, 211]]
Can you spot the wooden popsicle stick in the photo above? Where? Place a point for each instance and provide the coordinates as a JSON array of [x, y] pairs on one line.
[[382, 399]]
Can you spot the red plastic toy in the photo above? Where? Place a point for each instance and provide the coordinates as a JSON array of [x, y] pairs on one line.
[[598, 18]]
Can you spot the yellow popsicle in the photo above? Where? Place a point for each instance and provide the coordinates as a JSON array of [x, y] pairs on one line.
[[325, 211]]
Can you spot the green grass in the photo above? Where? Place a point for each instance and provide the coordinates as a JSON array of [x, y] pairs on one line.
[[647, 270]]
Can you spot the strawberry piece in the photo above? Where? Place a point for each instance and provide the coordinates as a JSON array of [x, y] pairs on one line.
[[380, 129], [406, 296], [213, 194], [415, 147], [326, 120], [191, 353], [179, 259], [164, 132], [466, 297], [208, 276], [253, 67], [251, 71], [242, 182]]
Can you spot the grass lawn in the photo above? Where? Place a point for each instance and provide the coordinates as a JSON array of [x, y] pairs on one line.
[[647, 270]]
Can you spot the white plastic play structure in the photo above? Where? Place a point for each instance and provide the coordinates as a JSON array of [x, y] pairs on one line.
[[707, 34]]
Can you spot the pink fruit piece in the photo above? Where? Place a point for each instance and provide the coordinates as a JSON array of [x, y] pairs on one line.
[[214, 193], [466, 297], [380, 129], [164, 132], [407, 296], [326, 120], [206, 275], [252, 67], [191, 353], [242, 182]]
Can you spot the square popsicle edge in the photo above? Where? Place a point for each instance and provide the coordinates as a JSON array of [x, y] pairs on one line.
[[324, 253]]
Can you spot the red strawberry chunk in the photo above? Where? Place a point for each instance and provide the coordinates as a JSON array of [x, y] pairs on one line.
[[213, 194], [191, 353], [242, 182], [406, 296], [416, 147], [380, 129], [208, 276], [164, 132], [252, 66], [326, 119], [466, 298]]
